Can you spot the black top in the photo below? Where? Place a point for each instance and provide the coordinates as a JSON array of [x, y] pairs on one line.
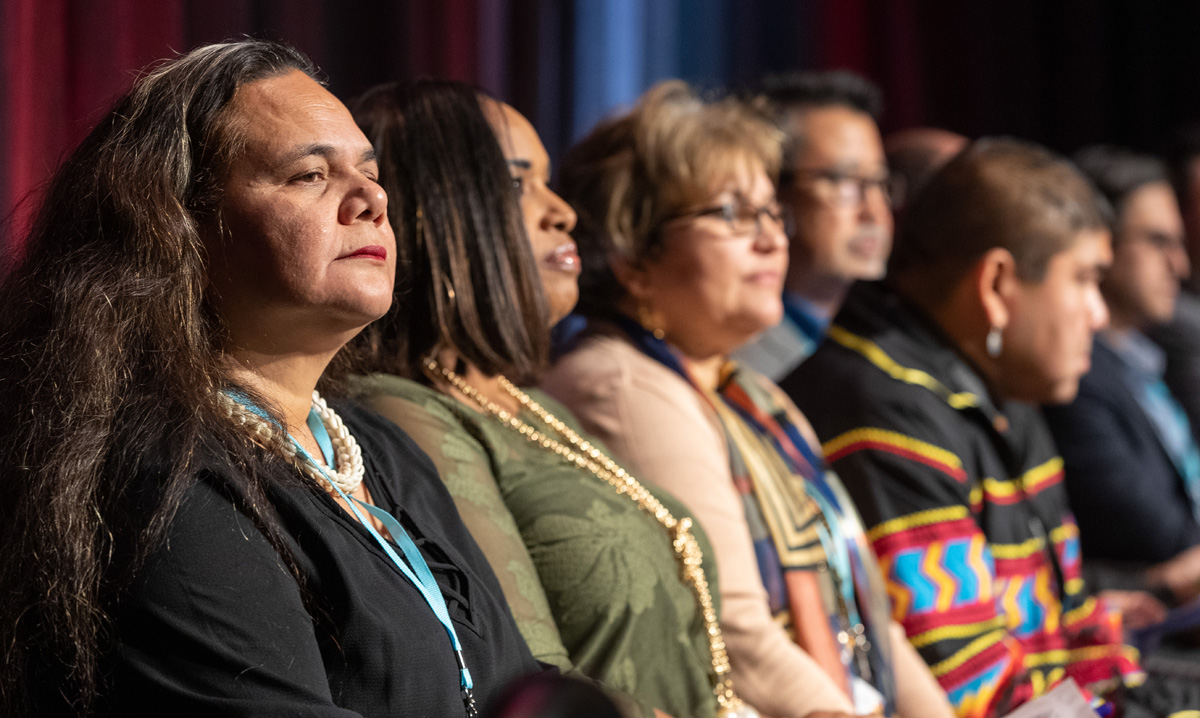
[[217, 625]]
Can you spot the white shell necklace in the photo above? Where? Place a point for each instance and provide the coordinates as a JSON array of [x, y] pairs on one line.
[[347, 455]]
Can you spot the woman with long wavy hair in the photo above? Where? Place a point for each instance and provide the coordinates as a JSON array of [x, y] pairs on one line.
[[187, 525]]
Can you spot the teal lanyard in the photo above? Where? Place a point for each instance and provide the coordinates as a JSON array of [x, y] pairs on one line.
[[415, 570], [837, 553]]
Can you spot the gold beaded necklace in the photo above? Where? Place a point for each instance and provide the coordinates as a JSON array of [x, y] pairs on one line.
[[581, 453]]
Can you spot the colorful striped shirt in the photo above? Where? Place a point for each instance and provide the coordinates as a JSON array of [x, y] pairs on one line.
[[965, 509]]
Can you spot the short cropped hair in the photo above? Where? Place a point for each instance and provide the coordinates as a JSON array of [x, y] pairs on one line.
[[635, 172], [832, 88], [1003, 193], [785, 95], [465, 272], [1118, 172]]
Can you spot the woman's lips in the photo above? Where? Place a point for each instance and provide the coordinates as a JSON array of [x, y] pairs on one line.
[[768, 277], [371, 251], [564, 258]]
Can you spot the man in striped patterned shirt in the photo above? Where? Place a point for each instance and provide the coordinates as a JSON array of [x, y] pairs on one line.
[[917, 395]]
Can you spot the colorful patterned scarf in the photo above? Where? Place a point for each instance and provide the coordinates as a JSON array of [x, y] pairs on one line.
[[813, 557]]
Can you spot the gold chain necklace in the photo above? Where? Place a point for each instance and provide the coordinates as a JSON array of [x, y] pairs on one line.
[[581, 453]]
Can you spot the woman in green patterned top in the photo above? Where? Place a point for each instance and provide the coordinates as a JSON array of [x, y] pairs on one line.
[[485, 266]]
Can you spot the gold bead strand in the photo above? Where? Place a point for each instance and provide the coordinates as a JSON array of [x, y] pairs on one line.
[[581, 453]]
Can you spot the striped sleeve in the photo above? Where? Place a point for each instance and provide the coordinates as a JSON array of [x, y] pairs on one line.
[[939, 567]]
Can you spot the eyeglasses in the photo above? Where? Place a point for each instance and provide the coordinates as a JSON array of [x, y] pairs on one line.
[[744, 220], [1162, 241], [848, 189]]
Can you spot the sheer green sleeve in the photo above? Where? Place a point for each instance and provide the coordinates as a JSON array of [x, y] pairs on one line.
[[466, 468]]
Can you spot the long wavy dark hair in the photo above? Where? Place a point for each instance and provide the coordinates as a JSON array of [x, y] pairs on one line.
[[465, 273], [109, 364]]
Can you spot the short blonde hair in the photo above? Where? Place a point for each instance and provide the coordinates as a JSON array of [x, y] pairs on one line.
[[632, 173]]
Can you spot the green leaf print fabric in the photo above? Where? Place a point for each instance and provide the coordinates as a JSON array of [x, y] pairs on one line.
[[591, 579]]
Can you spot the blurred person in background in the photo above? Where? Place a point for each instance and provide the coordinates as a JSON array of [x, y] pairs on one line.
[[834, 187], [914, 155], [1180, 335], [1131, 463]]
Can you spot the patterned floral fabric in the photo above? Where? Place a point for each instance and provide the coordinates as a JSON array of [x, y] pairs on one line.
[[965, 509], [609, 591]]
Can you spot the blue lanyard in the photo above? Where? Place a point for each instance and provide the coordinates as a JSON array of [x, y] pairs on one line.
[[837, 551], [418, 574]]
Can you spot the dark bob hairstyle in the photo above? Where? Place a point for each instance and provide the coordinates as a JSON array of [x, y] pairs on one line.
[[465, 274]]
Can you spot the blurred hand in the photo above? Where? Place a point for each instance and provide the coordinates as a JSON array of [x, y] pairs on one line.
[[1180, 575], [1138, 608]]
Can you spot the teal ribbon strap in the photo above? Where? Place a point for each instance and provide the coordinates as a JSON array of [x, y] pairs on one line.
[[413, 566]]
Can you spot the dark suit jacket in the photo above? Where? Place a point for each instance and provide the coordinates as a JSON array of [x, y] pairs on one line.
[[1180, 339], [1126, 494]]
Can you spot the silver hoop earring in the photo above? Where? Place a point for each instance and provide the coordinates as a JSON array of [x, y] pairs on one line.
[[995, 342]]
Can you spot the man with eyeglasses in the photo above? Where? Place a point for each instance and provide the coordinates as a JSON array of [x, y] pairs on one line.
[[834, 188], [1132, 467], [1180, 337]]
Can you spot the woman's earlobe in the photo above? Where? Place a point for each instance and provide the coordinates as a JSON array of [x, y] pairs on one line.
[[631, 274]]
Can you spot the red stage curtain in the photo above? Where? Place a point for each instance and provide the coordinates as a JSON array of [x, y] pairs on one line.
[[1064, 74], [62, 61]]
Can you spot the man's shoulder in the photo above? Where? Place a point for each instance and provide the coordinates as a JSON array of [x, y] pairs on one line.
[[842, 381], [871, 341], [837, 360], [776, 352]]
